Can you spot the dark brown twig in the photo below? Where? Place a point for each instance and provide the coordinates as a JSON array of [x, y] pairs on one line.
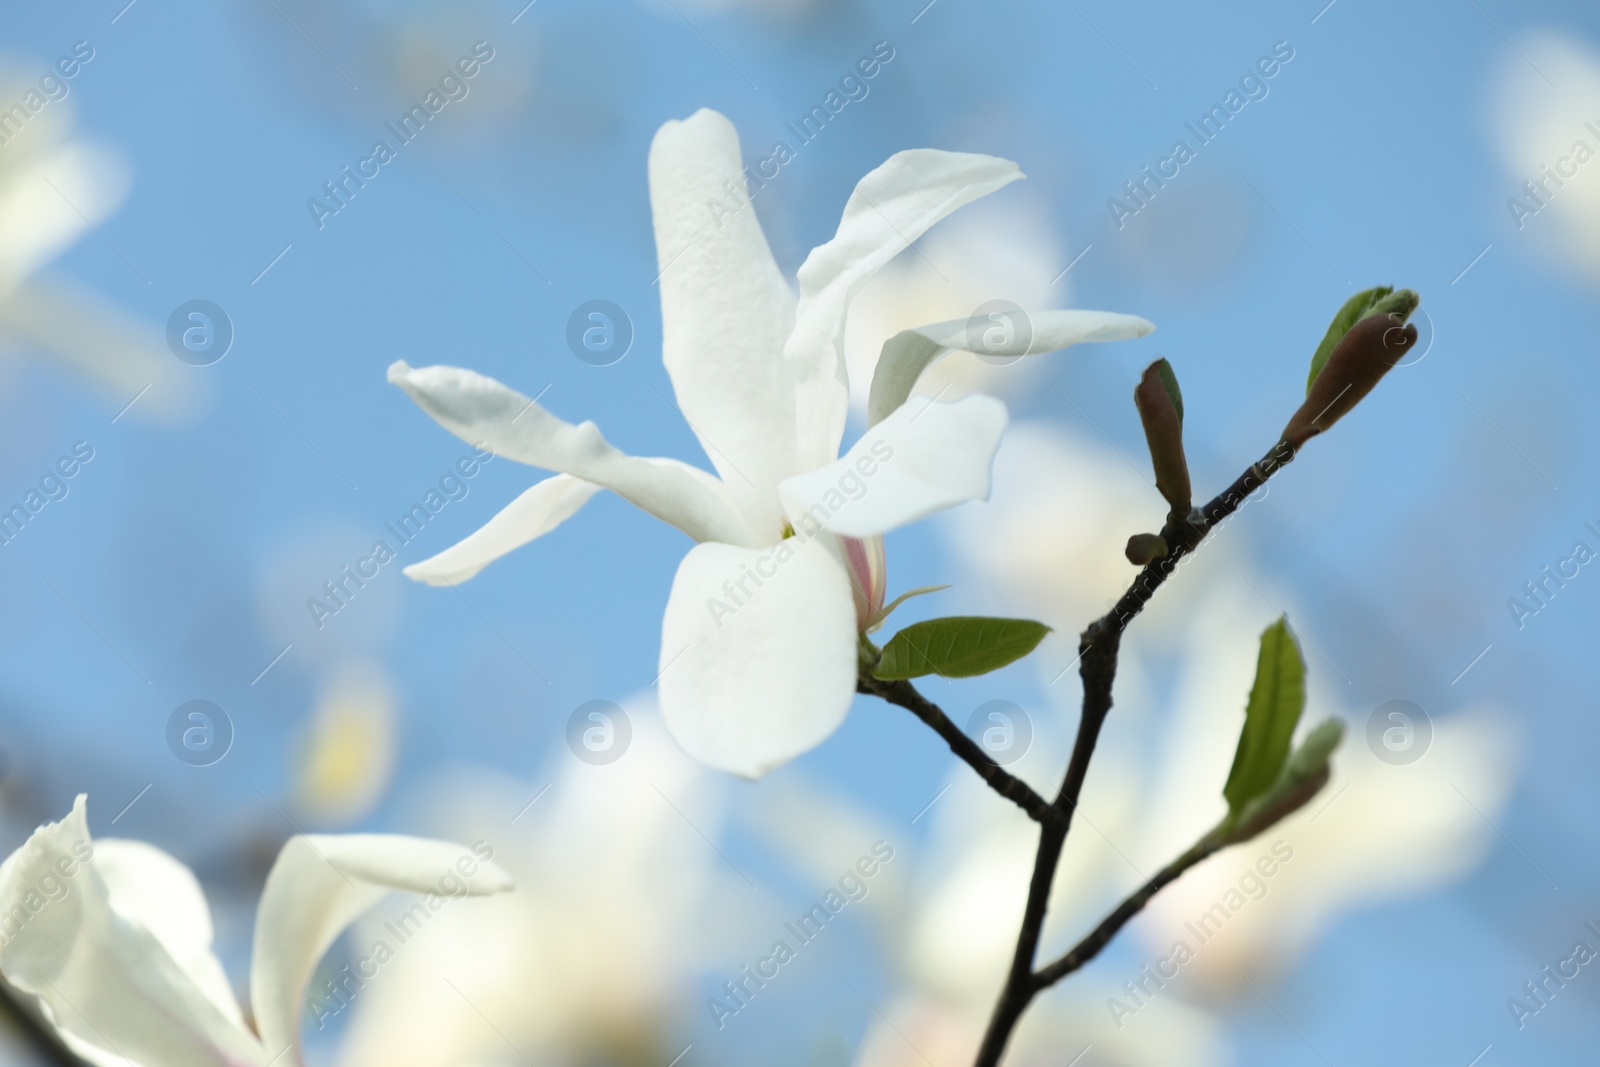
[[905, 695], [1098, 647]]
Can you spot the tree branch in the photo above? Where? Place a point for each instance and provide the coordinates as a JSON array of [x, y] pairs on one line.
[[904, 694], [1097, 665], [1101, 935]]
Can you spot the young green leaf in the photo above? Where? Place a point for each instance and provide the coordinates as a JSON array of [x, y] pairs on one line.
[[1303, 777], [1368, 350], [1355, 309], [1276, 700], [1169, 381], [957, 647]]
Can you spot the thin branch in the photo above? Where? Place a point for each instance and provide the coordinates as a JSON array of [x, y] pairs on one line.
[[905, 695], [1101, 935], [1097, 665]]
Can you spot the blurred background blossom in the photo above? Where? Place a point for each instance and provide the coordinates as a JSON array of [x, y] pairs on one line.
[[180, 564]]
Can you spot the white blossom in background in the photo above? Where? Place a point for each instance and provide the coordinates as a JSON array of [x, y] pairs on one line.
[[760, 643], [55, 187], [620, 904], [111, 939], [343, 764], [1376, 832], [946, 922], [1395, 831], [1545, 125]]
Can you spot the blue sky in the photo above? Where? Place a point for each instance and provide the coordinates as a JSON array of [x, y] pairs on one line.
[[177, 566]]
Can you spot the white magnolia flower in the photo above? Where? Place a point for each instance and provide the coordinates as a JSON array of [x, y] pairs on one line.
[[759, 643], [113, 938]]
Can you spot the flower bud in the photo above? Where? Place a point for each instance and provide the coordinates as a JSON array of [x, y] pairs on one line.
[[869, 576], [1362, 356], [1144, 547], [1160, 407]]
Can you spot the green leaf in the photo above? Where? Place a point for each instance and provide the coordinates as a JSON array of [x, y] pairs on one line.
[[1276, 700], [1303, 777], [958, 647], [1170, 381], [1355, 309]]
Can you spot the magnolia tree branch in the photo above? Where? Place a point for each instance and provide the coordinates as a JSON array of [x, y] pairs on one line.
[[1101, 935], [1098, 646], [905, 695], [1097, 656]]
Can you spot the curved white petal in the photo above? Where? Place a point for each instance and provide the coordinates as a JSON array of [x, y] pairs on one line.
[[725, 313], [533, 514], [106, 981], [890, 208], [482, 412], [908, 353], [925, 457], [320, 884], [758, 652], [150, 887]]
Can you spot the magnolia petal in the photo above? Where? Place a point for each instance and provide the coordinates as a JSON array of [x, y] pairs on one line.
[[484, 413], [151, 888], [725, 313], [116, 351], [322, 883], [51, 201], [889, 209], [925, 457], [758, 652], [533, 514], [106, 982], [908, 353]]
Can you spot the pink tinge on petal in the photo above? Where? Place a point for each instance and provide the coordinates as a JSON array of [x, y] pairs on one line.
[[869, 576]]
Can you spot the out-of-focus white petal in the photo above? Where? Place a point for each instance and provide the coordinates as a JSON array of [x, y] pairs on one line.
[[1541, 131], [758, 652], [1381, 832], [149, 887], [1066, 1022], [347, 753], [924, 458], [120, 354], [1049, 545], [890, 208], [106, 981], [596, 957], [319, 885], [907, 354], [725, 313], [533, 514], [49, 202], [482, 412]]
